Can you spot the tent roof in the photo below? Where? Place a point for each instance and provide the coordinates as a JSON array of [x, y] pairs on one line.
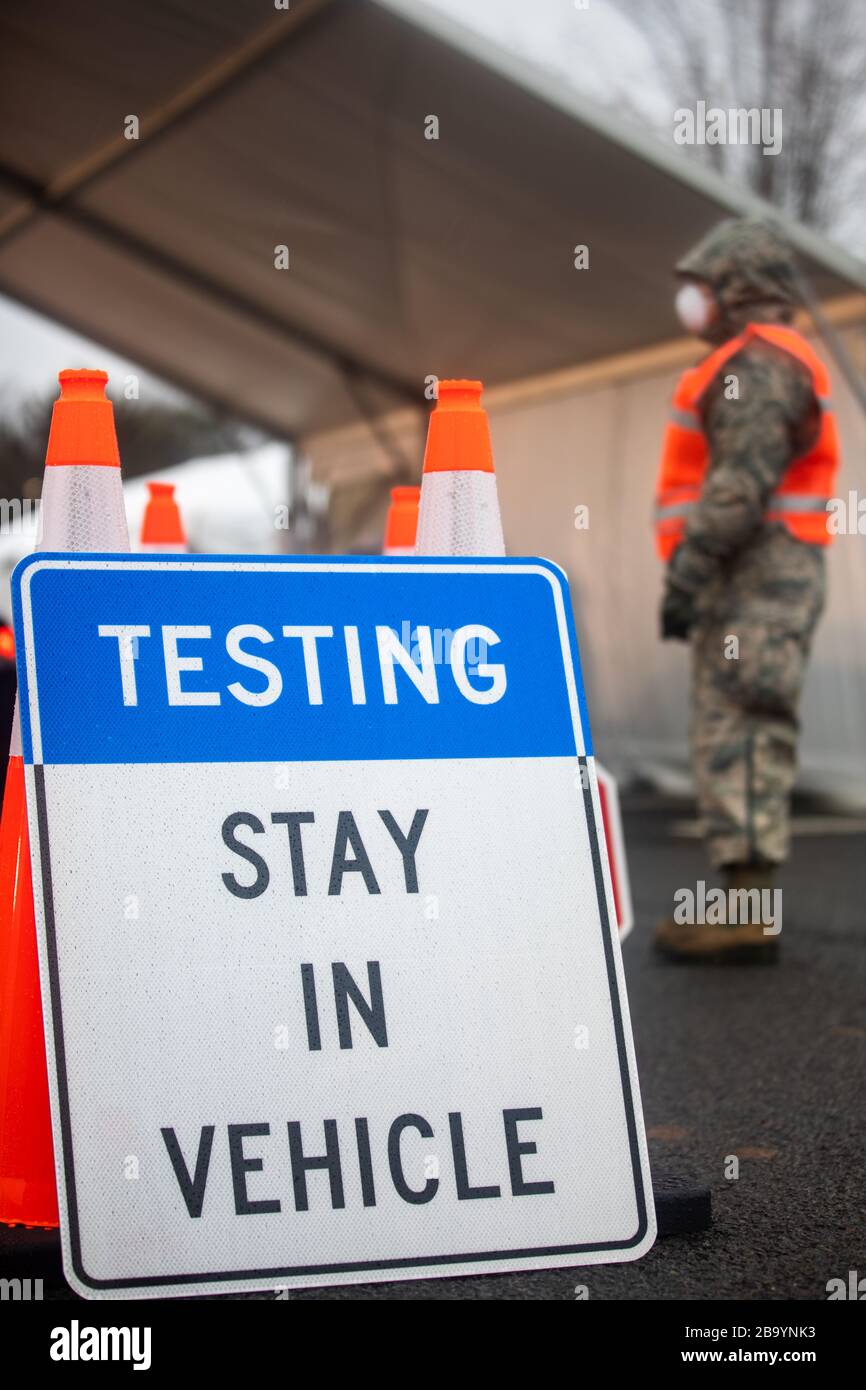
[[306, 127]]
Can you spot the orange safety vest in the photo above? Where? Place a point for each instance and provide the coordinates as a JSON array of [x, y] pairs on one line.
[[799, 502]]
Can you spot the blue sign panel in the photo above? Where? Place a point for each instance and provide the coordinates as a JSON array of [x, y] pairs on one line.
[[208, 659]]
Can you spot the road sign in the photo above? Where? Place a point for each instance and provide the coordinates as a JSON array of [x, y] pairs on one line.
[[331, 985]]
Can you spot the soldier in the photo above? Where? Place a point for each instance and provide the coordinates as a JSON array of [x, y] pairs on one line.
[[748, 465]]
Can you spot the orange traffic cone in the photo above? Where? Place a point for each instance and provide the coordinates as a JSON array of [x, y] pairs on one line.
[[459, 513], [28, 1191], [162, 528], [402, 523], [82, 509]]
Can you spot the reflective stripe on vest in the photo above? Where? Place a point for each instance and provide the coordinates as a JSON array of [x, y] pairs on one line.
[[687, 419], [801, 500], [776, 502]]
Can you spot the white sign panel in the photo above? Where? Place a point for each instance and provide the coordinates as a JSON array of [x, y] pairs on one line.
[[332, 984]]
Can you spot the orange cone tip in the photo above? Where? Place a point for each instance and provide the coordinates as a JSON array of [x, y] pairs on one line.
[[458, 437], [162, 528], [82, 423], [459, 512], [402, 523]]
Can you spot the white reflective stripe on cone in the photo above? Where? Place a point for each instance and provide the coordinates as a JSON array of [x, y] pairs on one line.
[[459, 514], [82, 508]]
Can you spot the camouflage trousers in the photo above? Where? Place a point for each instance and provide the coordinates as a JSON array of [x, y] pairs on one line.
[[749, 653]]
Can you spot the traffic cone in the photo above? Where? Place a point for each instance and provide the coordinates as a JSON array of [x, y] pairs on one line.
[[401, 525], [82, 509], [459, 513], [162, 527]]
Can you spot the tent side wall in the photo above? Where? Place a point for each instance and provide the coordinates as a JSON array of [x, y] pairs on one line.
[[590, 439]]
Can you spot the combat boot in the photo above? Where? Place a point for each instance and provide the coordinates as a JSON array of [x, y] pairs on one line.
[[748, 936]]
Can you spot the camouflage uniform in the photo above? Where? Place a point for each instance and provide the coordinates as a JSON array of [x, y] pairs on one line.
[[737, 576]]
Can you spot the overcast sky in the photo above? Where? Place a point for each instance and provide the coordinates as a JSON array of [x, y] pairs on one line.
[[593, 48], [36, 349]]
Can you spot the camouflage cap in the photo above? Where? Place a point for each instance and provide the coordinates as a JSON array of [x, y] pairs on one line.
[[744, 261]]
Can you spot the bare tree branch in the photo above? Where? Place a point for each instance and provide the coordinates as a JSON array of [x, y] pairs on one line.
[[805, 58]]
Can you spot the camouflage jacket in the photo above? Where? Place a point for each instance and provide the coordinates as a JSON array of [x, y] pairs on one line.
[[757, 429], [753, 436]]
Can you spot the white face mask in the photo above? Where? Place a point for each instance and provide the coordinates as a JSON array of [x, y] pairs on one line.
[[694, 310]]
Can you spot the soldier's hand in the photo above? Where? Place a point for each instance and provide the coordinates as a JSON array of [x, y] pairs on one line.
[[677, 614]]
